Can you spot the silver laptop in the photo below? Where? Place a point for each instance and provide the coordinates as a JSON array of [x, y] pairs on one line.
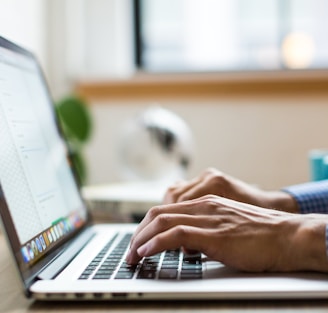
[[58, 253]]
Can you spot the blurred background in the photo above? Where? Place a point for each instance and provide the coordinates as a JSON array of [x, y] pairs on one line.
[[249, 78]]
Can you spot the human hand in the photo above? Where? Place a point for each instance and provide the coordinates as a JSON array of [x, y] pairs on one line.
[[239, 235], [212, 181]]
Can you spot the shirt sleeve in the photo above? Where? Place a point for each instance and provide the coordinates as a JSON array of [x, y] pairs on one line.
[[327, 241], [311, 197]]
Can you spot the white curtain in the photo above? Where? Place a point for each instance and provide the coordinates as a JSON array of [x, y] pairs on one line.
[[23, 23], [89, 40]]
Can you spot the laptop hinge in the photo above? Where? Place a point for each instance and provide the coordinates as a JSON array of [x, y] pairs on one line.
[[56, 266]]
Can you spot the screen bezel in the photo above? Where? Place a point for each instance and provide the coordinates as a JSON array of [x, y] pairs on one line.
[[29, 273]]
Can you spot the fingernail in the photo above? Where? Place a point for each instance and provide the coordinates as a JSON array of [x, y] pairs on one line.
[[142, 251]]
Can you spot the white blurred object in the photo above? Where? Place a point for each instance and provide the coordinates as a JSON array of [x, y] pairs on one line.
[[125, 201], [298, 50], [156, 145]]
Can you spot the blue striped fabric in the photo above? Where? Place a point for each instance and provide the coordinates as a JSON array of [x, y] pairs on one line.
[[327, 240], [312, 197]]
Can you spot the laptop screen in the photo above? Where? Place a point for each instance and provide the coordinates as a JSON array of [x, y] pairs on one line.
[[40, 202]]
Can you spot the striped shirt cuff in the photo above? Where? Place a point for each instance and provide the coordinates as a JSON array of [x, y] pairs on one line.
[[312, 197], [327, 241]]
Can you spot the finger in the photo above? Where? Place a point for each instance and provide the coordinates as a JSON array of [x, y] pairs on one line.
[[161, 209], [192, 238], [188, 207], [196, 191], [195, 188], [173, 193], [161, 224], [167, 221]]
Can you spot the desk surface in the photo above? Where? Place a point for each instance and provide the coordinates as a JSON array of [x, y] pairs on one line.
[[12, 300]]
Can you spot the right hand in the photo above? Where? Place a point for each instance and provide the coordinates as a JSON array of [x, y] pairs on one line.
[[240, 235]]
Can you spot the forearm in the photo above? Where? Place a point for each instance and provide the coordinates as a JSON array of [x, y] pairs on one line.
[[282, 201]]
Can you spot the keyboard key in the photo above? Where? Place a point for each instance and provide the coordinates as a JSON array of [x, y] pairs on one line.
[[124, 275], [191, 275], [146, 274], [168, 274]]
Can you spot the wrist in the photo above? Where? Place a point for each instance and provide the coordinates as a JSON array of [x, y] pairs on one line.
[[282, 201], [309, 242]]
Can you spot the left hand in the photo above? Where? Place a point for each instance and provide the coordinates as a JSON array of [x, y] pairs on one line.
[[215, 182]]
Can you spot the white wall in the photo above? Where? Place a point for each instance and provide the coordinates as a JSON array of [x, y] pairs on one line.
[[263, 141]]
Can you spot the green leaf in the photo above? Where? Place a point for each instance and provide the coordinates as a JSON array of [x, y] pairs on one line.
[[75, 117]]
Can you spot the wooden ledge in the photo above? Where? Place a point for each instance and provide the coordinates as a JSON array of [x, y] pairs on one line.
[[153, 86]]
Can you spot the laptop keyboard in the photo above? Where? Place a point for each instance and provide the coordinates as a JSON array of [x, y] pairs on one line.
[[171, 264]]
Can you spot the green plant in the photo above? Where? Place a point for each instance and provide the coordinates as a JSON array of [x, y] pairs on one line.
[[76, 124]]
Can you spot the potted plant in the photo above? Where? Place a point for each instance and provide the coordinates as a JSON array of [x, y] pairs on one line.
[[76, 124]]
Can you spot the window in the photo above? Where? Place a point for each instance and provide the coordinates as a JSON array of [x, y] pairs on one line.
[[231, 35]]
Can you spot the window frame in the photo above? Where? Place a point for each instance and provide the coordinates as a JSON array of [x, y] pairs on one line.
[[137, 16]]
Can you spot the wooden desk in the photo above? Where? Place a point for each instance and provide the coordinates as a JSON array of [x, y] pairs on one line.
[[12, 300]]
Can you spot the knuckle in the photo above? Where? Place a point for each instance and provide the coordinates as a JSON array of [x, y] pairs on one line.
[[209, 198], [181, 231], [210, 203], [175, 195], [217, 179], [154, 212], [172, 193], [164, 220], [171, 189], [183, 197]]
